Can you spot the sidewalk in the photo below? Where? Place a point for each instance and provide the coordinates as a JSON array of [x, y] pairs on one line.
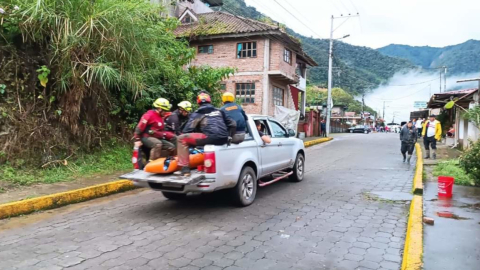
[[453, 241]]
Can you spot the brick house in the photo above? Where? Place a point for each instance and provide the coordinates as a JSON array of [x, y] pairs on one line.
[[271, 65]]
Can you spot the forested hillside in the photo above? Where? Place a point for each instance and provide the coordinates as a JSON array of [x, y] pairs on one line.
[[356, 69], [461, 58]]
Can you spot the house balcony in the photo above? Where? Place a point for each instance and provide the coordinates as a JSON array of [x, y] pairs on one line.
[[283, 77]]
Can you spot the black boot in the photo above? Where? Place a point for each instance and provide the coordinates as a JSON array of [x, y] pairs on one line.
[[427, 156], [404, 157], [185, 171]]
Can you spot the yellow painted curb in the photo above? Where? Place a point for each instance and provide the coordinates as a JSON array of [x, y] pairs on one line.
[[64, 198], [317, 141], [413, 250], [418, 178]]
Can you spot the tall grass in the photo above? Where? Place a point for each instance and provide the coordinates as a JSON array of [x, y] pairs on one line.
[[453, 169], [110, 160]]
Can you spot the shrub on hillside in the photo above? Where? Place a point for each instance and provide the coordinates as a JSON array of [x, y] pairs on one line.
[[470, 161]]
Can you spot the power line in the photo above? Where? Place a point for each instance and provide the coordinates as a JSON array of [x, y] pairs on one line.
[[271, 11], [412, 83], [297, 18], [288, 3], [354, 7], [397, 98], [341, 2]]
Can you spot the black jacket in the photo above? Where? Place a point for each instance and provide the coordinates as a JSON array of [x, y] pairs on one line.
[[212, 122], [175, 122], [236, 112], [408, 135]]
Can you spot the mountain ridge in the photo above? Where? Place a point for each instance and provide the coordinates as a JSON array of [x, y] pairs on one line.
[[459, 58], [357, 69]]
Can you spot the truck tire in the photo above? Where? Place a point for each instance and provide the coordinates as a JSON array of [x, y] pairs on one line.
[[173, 196], [298, 169], [246, 189]]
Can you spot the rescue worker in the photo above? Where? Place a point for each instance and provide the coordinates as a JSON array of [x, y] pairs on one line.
[[235, 111], [207, 125], [408, 137], [150, 131], [432, 132], [175, 121]]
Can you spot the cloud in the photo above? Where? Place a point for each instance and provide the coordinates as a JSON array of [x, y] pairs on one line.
[[403, 89]]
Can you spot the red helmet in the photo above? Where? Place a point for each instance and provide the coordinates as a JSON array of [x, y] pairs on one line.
[[203, 98]]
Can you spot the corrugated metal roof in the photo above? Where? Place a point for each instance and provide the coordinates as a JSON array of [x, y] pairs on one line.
[[457, 92]]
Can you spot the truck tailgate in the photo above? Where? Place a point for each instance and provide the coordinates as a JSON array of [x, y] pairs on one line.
[[143, 176]]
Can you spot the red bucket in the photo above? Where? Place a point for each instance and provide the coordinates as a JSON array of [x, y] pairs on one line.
[[445, 186]]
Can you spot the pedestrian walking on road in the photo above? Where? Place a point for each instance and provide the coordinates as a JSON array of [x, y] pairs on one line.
[[323, 127], [408, 137], [419, 126], [432, 132]]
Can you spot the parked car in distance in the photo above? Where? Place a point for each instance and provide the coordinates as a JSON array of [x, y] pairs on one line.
[[359, 129], [238, 167]]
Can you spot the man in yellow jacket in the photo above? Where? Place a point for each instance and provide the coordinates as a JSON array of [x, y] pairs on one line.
[[432, 132]]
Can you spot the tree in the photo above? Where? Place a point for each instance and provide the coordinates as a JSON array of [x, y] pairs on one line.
[[77, 73]]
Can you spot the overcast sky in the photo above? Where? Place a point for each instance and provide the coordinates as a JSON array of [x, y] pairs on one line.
[[435, 23]]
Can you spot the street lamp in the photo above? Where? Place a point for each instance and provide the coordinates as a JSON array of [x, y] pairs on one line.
[[330, 67]]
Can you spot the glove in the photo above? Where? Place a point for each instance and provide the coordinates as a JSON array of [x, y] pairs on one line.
[[229, 141]]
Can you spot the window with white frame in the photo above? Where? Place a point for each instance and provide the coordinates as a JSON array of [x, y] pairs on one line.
[[278, 96], [287, 56]]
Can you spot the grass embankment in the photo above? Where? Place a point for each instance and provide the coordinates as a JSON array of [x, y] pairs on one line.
[[106, 161], [453, 169]]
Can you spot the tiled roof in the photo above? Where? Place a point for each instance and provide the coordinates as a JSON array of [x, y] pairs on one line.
[[220, 24], [217, 23]]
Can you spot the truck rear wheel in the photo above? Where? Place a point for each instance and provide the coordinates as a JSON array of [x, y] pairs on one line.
[[298, 168], [173, 196], [246, 189]]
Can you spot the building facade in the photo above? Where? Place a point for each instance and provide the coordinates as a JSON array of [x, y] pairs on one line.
[[271, 65]]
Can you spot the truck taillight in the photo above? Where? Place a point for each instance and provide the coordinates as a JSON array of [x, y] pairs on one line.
[[209, 162], [135, 159]]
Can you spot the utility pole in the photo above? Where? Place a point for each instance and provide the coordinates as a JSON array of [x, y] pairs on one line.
[[445, 78], [363, 107], [383, 110], [440, 81], [330, 65]]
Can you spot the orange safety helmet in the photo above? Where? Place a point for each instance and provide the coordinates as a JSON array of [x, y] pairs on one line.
[[203, 97]]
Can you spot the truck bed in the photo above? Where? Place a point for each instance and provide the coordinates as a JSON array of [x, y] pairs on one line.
[[142, 176]]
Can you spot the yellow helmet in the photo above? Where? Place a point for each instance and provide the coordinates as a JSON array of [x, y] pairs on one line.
[[185, 105], [163, 104], [228, 97]]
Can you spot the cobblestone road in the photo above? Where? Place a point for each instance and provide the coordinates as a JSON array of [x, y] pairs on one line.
[[328, 221]]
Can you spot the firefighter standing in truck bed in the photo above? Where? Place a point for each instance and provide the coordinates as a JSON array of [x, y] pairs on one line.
[[207, 125], [150, 131]]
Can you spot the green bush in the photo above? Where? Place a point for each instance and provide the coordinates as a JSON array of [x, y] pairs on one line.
[[453, 169], [470, 161]]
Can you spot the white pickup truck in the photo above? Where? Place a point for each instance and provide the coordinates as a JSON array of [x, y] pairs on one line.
[[237, 167]]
